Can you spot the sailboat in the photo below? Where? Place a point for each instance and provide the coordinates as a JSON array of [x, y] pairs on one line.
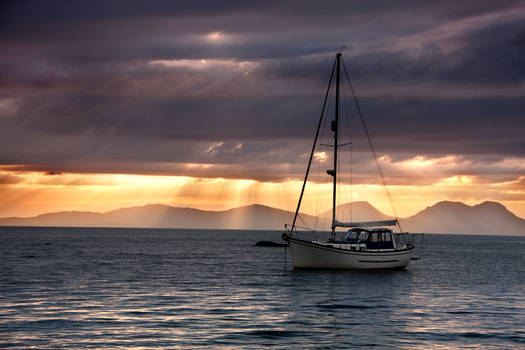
[[361, 244]]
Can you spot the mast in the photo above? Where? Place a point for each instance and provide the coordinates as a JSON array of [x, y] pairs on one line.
[[335, 129]]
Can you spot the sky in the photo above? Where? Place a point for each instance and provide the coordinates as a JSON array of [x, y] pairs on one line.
[[213, 105]]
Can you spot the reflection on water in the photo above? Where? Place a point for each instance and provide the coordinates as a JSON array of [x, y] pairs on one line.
[[63, 287]]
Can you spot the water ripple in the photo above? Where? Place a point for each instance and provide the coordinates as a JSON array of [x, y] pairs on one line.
[[139, 288]]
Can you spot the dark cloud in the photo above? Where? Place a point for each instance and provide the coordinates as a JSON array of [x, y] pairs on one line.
[[493, 54], [81, 87], [38, 13]]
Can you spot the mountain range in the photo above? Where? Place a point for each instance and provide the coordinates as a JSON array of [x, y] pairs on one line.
[[443, 217]]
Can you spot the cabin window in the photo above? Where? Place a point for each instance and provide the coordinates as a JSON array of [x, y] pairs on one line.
[[363, 236], [387, 237], [374, 237]]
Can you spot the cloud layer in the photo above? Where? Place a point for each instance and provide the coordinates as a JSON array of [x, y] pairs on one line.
[[234, 89]]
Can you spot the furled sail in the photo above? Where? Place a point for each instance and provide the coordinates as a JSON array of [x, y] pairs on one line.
[[366, 223]]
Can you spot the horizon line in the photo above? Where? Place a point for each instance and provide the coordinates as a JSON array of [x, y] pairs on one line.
[[250, 205]]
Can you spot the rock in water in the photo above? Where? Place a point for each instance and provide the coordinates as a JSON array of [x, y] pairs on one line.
[[269, 244]]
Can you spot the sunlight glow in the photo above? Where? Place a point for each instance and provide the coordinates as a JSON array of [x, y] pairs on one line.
[[205, 64], [425, 162], [26, 193], [457, 180], [321, 156], [215, 36], [214, 147]]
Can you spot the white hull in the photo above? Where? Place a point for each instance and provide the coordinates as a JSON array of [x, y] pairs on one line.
[[316, 256]]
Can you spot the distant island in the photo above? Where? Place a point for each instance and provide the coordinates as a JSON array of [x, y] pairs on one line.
[[443, 217]]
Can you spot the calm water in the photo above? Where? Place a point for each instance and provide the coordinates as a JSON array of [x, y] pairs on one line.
[[149, 288]]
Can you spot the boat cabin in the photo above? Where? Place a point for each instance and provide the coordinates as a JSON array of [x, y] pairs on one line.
[[378, 238]]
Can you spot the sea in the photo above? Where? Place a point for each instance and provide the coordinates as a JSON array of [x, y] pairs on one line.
[[65, 288]]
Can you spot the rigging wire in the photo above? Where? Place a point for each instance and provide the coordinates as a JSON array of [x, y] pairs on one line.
[[313, 147], [305, 228], [324, 201], [367, 134], [317, 195], [341, 161], [348, 118], [320, 204]]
